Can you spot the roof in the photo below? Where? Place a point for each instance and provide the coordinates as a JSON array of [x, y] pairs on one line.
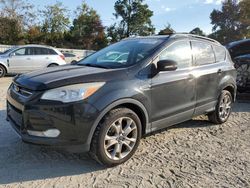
[[176, 35]]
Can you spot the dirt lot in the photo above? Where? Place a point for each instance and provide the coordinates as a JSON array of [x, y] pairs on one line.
[[192, 154]]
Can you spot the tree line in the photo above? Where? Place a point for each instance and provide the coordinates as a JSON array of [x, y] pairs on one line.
[[21, 24]]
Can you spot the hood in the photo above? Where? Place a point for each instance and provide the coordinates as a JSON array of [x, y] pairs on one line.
[[66, 75]]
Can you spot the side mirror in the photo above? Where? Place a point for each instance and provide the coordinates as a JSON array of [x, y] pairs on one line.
[[12, 54], [166, 65]]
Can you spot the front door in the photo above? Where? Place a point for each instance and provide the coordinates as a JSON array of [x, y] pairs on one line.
[[173, 92], [20, 61]]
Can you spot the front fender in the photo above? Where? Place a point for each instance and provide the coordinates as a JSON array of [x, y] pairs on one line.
[[113, 105], [3, 64]]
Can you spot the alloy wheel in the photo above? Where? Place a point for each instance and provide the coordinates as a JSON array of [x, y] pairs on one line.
[[120, 138], [225, 107]]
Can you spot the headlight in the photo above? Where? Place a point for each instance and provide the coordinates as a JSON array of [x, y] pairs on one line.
[[72, 93]]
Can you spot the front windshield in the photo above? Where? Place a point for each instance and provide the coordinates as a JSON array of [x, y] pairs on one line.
[[8, 50], [123, 54]]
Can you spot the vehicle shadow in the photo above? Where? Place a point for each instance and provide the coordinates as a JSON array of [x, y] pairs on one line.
[[20, 162]]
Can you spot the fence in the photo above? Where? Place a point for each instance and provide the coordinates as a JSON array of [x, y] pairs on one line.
[[81, 53]]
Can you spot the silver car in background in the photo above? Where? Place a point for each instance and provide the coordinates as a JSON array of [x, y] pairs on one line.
[[22, 59]]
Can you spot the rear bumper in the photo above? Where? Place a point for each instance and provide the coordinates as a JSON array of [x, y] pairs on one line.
[[74, 121]]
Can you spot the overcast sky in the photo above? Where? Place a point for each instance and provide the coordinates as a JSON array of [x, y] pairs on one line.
[[183, 15]]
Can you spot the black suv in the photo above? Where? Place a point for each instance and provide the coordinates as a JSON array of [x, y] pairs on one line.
[[109, 100], [240, 53]]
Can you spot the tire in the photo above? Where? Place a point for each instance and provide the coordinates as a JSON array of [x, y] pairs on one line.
[[53, 65], [223, 108], [74, 62], [2, 71], [106, 141]]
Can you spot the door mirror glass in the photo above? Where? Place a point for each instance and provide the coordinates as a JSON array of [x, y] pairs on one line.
[[12, 54], [166, 65]]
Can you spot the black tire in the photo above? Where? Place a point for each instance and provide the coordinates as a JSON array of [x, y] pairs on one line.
[[74, 62], [216, 117], [97, 149], [2, 71], [53, 65]]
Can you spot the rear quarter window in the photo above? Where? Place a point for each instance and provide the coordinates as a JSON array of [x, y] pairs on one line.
[[203, 53], [220, 53]]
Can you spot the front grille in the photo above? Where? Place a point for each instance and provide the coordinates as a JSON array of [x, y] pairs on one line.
[[21, 91]]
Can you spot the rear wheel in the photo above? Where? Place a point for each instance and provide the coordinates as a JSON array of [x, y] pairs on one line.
[[53, 65], [2, 71], [116, 138], [223, 108]]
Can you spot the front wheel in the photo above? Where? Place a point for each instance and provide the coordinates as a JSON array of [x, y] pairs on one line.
[[223, 108], [116, 138], [2, 71]]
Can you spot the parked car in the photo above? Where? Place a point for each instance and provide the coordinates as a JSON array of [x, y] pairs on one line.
[[71, 58], [242, 65], [22, 59], [106, 107], [240, 53]]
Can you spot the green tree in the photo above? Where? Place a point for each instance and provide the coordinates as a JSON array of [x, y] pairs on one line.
[[135, 18], [87, 30], [167, 30], [34, 35], [18, 10], [226, 22], [9, 31], [197, 31], [56, 22], [245, 17], [115, 33]]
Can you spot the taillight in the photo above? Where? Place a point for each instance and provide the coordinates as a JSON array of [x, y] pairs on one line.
[[62, 56]]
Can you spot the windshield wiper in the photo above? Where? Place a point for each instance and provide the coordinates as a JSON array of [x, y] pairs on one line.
[[94, 65]]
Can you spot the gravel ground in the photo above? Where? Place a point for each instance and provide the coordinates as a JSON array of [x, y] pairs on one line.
[[192, 154]]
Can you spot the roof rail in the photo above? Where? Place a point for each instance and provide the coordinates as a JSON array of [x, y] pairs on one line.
[[196, 36]]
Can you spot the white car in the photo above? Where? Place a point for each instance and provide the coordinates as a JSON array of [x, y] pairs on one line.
[[71, 58], [22, 59]]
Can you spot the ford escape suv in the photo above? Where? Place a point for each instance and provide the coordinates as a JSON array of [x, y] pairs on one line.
[[22, 59], [104, 106]]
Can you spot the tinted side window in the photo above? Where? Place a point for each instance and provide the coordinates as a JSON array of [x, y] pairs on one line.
[[220, 53], [51, 52], [68, 55], [244, 48], [44, 51], [29, 51], [203, 53], [40, 51], [180, 52]]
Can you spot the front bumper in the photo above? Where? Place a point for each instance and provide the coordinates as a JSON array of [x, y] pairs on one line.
[[74, 121]]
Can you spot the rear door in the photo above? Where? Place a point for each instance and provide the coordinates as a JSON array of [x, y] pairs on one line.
[[41, 58], [208, 74], [173, 92]]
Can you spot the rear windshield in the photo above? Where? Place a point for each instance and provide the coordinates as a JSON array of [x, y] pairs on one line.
[[123, 54]]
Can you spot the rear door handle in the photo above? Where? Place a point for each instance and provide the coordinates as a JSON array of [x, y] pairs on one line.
[[28, 58]]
